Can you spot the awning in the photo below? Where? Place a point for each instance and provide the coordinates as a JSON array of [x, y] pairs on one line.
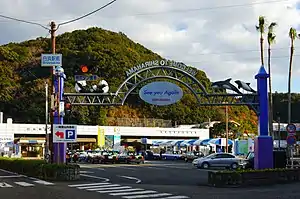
[[188, 142], [32, 140], [176, 142], [89, 140], [217, 141], [204, 142]]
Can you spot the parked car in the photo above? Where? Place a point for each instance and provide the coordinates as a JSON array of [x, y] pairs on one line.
[[151, 156], [226, 160], [190, 156], [248, 163], [130, 157], [109, 157]]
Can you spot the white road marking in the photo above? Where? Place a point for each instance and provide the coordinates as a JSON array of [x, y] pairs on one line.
[[175, 197], [147, 196], [9, 172], [4, 185], [43, 182], [86, 172], [132, 178], [24, 184], [109, 188], [132, 193], [119, 191], [82, 185], [99, 186], [96, 177], [14, 176], [101, 169]]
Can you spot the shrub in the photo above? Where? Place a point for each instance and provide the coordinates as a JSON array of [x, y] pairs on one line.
[[40, 169]]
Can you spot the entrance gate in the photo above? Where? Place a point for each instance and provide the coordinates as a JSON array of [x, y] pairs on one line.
[[179, 72]]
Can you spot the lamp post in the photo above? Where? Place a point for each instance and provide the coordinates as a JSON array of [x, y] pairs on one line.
[[46, 122]]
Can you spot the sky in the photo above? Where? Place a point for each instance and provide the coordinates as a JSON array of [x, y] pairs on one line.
[[216, 36]]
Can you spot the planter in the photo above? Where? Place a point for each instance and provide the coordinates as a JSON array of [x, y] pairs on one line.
[[252, 178]]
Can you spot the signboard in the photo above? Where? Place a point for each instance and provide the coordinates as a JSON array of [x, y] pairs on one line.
[[86, 77], [291, 129], [4, 138], [161, 93], [51, 60], [64, 133], [291, 140], [163, 62]]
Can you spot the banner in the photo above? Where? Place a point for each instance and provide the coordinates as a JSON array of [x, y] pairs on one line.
[[100, 137]]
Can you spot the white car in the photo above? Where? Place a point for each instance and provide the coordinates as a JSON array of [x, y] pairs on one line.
[[226, 160]]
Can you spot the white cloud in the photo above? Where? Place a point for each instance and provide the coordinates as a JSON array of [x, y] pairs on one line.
[[220, 40]]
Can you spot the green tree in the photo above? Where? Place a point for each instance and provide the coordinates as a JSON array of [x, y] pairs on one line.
[[271, 40], [261, 29]]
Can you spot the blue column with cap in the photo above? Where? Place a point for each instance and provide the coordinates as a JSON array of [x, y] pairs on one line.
[[263, 146], [59, 149]]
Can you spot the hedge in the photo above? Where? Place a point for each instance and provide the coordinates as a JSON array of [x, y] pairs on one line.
[[41, 169], [242, 178]]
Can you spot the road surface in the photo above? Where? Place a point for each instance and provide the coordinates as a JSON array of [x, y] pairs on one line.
[[167, 179]]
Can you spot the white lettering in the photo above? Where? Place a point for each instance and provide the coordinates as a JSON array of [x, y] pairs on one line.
[[166, 63]]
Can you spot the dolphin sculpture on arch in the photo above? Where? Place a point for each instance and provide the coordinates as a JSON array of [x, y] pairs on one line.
[[225, 85], [245, 86]]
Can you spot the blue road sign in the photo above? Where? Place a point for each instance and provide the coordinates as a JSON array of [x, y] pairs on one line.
[[51, 60], [291, 140], [64, 133], [86, 77], [70, 134]]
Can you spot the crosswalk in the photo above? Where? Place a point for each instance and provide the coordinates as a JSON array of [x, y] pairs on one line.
[[125, 191], [24, 184]]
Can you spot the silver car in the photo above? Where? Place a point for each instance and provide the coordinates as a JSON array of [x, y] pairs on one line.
[[218, 160]]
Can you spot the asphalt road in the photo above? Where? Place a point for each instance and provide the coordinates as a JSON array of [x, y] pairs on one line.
[[169, 180]]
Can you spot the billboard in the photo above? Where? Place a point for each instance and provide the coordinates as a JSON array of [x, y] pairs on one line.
[[161, 93]]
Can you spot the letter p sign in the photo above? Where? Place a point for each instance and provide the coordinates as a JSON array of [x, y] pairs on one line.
[[70, 135]]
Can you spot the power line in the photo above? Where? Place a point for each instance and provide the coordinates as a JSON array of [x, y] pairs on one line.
[[24, 21], [86, 15], [210, 8]]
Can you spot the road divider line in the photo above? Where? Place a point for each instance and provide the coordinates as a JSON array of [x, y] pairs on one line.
[[110, 188], [122, 190], [24, 184], [147, 196], [5, 185], [90, 184], [175, 197], [43, 182], [131, 178], [86, 172], [95, 177], [13, 176], [132, 193]]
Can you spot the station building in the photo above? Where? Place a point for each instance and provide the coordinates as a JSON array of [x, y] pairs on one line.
[[29, 139]]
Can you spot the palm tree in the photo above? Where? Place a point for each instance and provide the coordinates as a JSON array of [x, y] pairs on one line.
[[261, 29], [271, 40], [293, 36]]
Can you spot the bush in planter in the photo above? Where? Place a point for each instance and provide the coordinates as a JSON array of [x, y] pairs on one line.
[[253, 177], [41, 169]]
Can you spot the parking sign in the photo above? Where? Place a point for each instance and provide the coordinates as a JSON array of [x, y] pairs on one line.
[[64, 133]]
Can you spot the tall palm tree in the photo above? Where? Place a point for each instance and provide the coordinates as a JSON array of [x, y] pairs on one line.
[[293, 36], [261, 29], [271, 40]]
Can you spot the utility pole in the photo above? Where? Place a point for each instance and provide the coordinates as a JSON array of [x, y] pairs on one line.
[[53, 104], [46, 121], [226, 115]]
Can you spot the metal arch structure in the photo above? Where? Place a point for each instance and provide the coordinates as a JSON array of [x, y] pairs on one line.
[[134, 80]]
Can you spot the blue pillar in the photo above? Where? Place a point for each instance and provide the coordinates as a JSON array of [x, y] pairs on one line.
[[59, 149], [263, 145]]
